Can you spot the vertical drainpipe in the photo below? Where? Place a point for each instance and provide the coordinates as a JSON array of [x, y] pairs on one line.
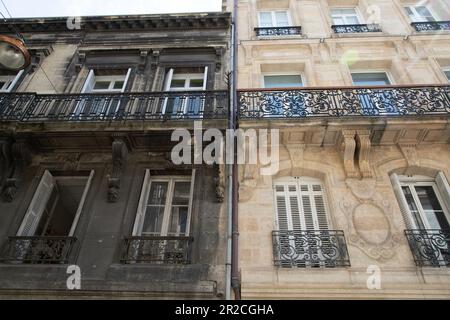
[[232, 271], [235, 275]]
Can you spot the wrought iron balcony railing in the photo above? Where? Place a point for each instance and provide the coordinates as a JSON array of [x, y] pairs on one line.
[[356, 28], [37, 250], [431, 26], [345, 101], [310, 248], [430, 248], [157, 250], [278, 31], [28, 107]]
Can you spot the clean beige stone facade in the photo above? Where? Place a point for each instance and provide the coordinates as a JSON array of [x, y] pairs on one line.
[[354, 158]]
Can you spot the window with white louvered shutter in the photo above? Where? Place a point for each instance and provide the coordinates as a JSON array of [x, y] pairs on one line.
[[300, 205], [37, 205]]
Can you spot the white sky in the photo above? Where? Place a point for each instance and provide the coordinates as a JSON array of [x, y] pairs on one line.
[[72, 8]]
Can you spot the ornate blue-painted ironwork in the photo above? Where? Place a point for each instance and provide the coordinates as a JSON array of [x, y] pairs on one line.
[[431, 26], [356, 28], [29, 107], [310, 248], [278, 31], [37, 249], [338, 102], [157, 250], [430, 248]]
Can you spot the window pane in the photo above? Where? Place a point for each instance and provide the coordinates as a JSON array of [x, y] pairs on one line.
[[409, 11], [158, 193], [447, 73], [265, 19], [352, 20], [433, 209], [425, 13], [178, 83], [196, 83], [118, 85], [338, 21], [178, 221], [413, 207], [181, 193], [101, 85], [153, 220], [370, 79], [282, 19], [349, 11], [283, 81]]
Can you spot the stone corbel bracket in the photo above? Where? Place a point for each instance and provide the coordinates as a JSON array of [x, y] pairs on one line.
[[21, 158], [81, 60], [143, 54], [219, 182], [348, 148], [155, 59], [363, 143], [119, 158], [355, 151]]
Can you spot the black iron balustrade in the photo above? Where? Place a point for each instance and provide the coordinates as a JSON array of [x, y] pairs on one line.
[[157, 250], [37, 250], [431, 26], [116, 106], [356, 28], [430, 248], [278, 31], [346, 101], [14, 105], [310, 248]]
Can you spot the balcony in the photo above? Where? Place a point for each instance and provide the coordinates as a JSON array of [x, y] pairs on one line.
[[430, 248], [312, 248], [344, 101], [31, 107], [37, 250], [356, 28], [156, 250], [431, 26], [278, 31]]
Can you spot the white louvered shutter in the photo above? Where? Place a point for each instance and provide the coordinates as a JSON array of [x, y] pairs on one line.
[[37, 205], [404, 208], [281, 207], [89, 83], [313, 206], [142, 206], [444, 189]]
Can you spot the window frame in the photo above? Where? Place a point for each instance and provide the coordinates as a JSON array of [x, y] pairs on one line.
[[298, 181], [358, 15], [417, 180], [13, 80], [445, 71], [146, 186], [274, 19], [35, 198], [388, 75], [417, 17], [301, 74]]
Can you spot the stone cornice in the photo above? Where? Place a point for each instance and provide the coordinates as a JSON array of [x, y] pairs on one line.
[[193, 21]]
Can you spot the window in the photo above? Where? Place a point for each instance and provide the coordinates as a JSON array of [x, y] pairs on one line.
[[103, 81], [370, 78], [425, 206], [283, 81], [165, 206], [425, 201], [106, 81], [344, 16], [185, 79], [447, 73], [419, 13], [56, 205], [271, 19], [300, 205], [9, 81]]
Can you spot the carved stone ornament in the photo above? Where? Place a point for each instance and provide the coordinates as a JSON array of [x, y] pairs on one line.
[[119, 158], [21, 158]]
